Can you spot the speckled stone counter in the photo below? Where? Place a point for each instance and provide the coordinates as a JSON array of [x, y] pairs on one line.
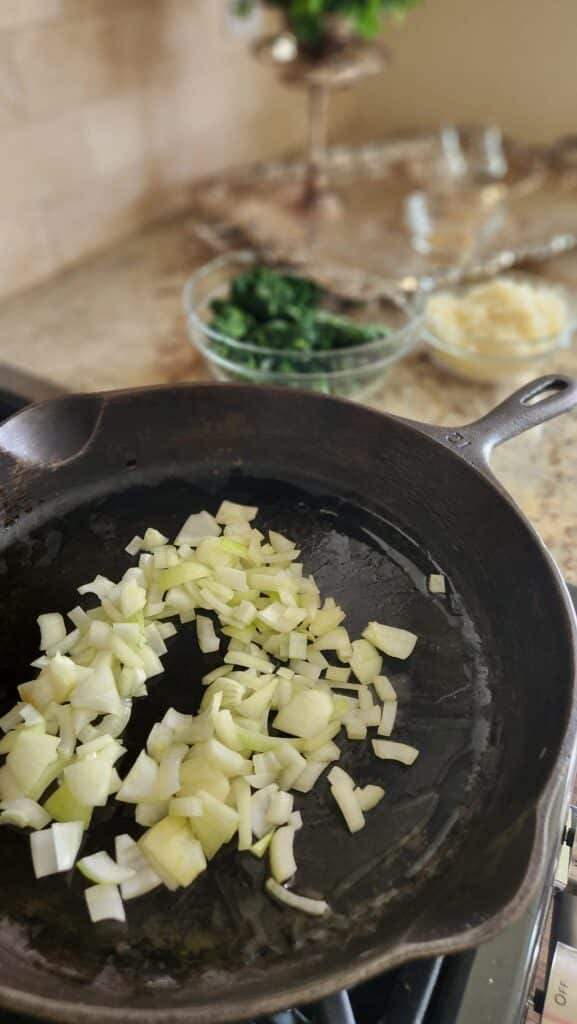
[[117, 322]]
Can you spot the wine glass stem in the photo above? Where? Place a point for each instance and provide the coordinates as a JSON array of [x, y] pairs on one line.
[[316, 182]]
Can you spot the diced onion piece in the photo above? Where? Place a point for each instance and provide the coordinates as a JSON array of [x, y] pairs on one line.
[[104, 903], [371, 716], [388, 716], [23, 813], [12, 719], [248, 661], [186, 807], [197, 774], [173, 852], [297, 645], [196, 528], [337, 675], [229, 512], [159, 740], [207, 638], [355, 728], [282, 862], [30, 758], [388, 750], [384, 688], [308, 906], [101, 586], [349, 806], [279, 808], [101, 868], [328, 618], [328, 752], [228, 762], [397, 643], [89, 781], [309, 776], [339, 777], [437, 583], [305, 714], [132, 597], [140, 783], [369, 796], [63, 806], [168, 778], [54, 849], [147, 814], [280, 618], [242, 799], [320, 738], [153, 539], [52, 629], [98, 692], [366, 662], [215, 826], [296, 820], [134, 546]]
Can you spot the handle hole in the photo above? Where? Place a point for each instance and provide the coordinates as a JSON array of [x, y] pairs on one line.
[[549, 390]]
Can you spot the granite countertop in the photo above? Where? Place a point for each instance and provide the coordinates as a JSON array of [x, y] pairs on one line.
[[117, 322]]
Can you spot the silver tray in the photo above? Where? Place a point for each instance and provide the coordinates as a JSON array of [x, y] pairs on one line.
[[406, 214]]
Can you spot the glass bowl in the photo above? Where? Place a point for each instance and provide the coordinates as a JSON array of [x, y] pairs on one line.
[[348, 372], [473, 364]]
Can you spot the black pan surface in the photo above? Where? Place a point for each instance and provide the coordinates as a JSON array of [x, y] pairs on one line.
[[375, 506]]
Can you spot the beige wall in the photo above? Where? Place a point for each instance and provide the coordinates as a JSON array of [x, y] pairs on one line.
[[108, 108], [513, 61]]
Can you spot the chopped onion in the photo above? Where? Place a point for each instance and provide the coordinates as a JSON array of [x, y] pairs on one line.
[[173, 851], [308, 906], [384, 688], [309, 776], [24, 813], [371, 716], [207, 778], [104, 903], [140, 783], [388, 716], [366, 662], [306, 714], [437, 584], [54, 849], [355, 728], [282, 862], [100, 868], [207, 638], [279, 808], [196, 528], [387, 750], [52, 629], [89, 781], [337, 675], [349, 806], [397, 643], [369, 796]]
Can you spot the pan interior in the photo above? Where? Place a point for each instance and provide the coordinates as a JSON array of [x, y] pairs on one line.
[[196, 936]]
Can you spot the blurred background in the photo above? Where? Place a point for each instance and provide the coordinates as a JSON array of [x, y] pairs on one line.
[[110, 108]]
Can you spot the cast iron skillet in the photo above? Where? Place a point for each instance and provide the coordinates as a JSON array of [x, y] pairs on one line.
[[455, 850]]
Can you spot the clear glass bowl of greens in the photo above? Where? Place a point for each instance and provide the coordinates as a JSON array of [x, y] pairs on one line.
[[261, 325]]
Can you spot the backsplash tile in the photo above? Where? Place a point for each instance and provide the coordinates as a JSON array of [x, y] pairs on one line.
[[109, 109]]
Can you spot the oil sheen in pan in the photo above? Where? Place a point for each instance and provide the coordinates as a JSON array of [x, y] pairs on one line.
[[376, 572]]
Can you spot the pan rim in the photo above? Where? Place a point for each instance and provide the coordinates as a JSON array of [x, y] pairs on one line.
[[540, 815]]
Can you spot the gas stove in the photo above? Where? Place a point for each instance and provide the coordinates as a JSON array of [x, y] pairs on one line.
[[493, 984]]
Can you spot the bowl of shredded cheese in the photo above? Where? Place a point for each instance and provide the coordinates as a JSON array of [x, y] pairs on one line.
[[498, 328]]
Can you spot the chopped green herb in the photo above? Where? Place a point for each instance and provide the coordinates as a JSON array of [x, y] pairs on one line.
[[281, 313]]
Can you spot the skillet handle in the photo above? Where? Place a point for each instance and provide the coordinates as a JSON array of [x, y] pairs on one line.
[[532, 404]]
